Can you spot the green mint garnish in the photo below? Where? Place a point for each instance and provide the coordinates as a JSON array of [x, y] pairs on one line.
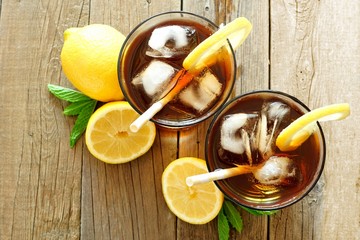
[[233, 216], [223, 225], [67, 94], [75, 108], [81, 106], [258, 212], [228, 216], [81, 122]]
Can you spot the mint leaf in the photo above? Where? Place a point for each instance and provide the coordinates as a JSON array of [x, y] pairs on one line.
[[81, 122], [259, 212], [81, 105], [233, 215], [223, 225], [76, 107], [67, 94]]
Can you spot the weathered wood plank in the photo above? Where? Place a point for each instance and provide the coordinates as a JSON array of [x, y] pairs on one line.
[[192, 141], [252, 74], [49, 191], [192, 144], [338, 61], [126, 201], [40, 176], [315, 57], [292, 70], [253, 56]]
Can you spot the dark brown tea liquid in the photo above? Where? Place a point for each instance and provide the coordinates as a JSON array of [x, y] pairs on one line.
[[247, 189], [136, 60]]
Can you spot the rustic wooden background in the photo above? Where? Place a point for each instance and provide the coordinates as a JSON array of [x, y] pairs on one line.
[[310, 49]]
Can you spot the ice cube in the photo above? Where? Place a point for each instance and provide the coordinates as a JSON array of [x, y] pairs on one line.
[[276, 171], [171, 41], [247, 145], [277, 111], [262, 134], [201, 92], [230, 138], [155, 77], [274, 113], [236, 138]]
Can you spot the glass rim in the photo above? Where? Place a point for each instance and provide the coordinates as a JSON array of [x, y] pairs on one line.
[[303, 192], [174, 124]]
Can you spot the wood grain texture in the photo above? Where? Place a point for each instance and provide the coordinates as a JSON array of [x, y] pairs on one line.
[[126, 201], [315, 57], [253, 74], [192, 140], [40, 181], [338, 58], [50, 191], [292, 71]]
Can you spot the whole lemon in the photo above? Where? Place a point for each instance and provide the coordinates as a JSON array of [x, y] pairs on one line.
[[89, 60]]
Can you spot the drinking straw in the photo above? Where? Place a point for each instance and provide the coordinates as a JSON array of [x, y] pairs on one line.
[[218, 174], [234, 32], [183, 78]]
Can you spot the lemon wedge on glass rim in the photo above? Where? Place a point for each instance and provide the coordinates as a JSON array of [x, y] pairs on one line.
[[298, 131], [235, 32]]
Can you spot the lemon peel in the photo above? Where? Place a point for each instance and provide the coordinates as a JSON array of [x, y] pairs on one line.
[[301, 129], [109, 139], [197, 204], [202, 56], [235, 32], [89, 59]]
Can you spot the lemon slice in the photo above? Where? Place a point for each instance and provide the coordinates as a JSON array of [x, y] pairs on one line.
[[236, 32], [108, 136], [198, 204], [298, 131]]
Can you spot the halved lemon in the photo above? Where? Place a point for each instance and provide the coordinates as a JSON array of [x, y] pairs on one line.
[[298, 131], [108, 136], [235, 32], [198, 204]]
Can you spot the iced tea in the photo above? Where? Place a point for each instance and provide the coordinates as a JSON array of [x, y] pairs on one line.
[[152, 55], [244, 133]]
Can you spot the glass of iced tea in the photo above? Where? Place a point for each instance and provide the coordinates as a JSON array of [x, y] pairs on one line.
[[154, 52], [244, 132]]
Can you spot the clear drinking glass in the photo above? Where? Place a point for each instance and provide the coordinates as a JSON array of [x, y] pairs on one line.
[[228, 143], [144, 69]]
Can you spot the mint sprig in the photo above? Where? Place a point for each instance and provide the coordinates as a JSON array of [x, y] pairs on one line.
[[76, 108], [223, 225], [233, 216], [67, 94], [80, 105], [258, 212], [82, 121], [228, 216]]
